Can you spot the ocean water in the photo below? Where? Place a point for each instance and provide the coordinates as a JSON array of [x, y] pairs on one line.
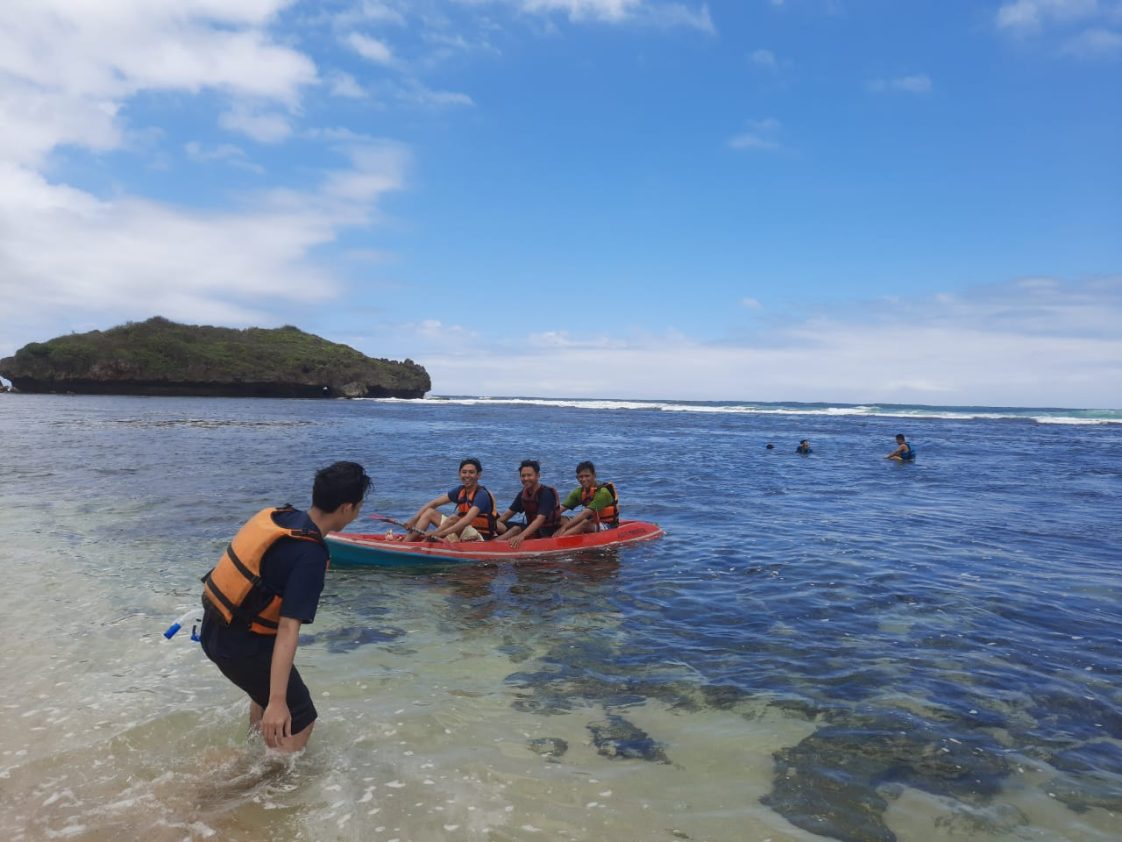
[[833, 646]]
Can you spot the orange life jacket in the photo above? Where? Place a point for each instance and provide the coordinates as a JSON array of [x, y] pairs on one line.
[[609, 515], [484, 522], [530, 508], [227, 587]]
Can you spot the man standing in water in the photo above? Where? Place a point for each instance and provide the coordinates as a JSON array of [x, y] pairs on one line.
[[266, 585]]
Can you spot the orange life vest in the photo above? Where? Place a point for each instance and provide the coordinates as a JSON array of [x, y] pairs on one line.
[[228, 586], [609, 515], [484, 522]]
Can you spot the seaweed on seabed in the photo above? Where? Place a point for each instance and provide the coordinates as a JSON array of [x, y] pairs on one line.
[[1089, 776], [619, 739], [561, 690], [592, 672], [831, 782], [339, 641], [548, 747]]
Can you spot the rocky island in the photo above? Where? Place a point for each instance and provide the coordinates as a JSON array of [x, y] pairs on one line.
[[161, 357]]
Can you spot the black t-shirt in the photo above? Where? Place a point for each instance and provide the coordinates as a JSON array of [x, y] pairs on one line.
[[292, 568]]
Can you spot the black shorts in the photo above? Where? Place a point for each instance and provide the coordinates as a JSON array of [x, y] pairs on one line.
[[252, 675], [543, 532]]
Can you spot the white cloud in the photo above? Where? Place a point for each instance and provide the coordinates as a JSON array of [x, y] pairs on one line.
[[612, 10], [36, 121], [336, 134], [131, 257], [1033, 15], [376, 168], [115, 49], [1093, 43], [381, 13], [266, 127], [751, 303], [225, 152], [369, 48], [67, 70], [1083, 29], [554, 339], [66, 67], [919, 83], [762, 135], [662, 14], [764, 58], [1030, 343], [456, 43], [128, 257], [443, 335], [676, 15], [345, 85], [414, 92]]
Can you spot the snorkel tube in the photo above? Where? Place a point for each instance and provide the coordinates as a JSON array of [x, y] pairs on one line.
[[178, 624]]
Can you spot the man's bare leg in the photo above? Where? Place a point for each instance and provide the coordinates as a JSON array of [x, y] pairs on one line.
[[255, 714], [296, 742], [580, 523], [429, 517]]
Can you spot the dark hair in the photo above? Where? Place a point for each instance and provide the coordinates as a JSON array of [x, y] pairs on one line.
[[530, 463], [900, 437], [586, 466], [471, 460], [803, 441], [343, 482]]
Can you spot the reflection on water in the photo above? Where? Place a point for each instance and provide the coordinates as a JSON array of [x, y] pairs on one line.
[[826, 647]]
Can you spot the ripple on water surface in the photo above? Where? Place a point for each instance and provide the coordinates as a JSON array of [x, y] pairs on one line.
[[831, 646]]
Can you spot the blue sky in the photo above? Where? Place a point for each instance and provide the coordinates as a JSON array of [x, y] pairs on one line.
[[820, 200]]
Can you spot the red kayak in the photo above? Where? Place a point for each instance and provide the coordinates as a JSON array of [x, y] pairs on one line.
[[380, 550]]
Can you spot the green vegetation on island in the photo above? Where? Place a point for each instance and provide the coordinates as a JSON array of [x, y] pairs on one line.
[[161, 357]]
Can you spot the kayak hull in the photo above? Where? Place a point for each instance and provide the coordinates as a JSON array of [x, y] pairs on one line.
[[376, 550]]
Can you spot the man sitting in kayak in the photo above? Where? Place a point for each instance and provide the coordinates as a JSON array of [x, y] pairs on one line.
[[601, 504], [474, 519], [537, 502]]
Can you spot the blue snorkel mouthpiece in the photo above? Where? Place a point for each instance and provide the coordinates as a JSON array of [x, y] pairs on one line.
[[178, 624]]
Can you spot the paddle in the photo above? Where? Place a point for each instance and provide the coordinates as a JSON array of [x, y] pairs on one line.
[[390, 520]]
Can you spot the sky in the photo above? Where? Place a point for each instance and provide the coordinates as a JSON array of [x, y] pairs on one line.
[[860, 201]]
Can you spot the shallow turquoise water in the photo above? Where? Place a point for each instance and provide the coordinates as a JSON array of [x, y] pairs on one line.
[[833, 646]]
